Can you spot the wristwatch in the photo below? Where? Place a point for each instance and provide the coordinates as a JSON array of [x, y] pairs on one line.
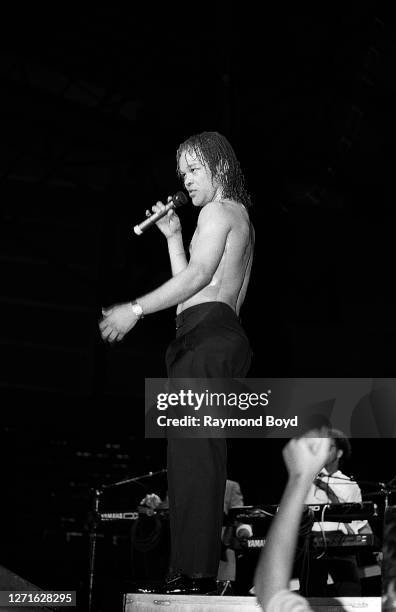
[[137, 309]]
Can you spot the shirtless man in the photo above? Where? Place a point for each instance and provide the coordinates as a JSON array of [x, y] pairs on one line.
[[209, 289]]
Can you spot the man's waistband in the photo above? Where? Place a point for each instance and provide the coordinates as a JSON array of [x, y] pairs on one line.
[[206, 311]]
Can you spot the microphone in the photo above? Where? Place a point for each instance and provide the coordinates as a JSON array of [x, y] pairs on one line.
[[244, 531], [177, 200]]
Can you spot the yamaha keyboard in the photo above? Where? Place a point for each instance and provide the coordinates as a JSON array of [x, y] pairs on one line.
[[259, 518], [340, 542], [334, 541], [344, 513], [134, 515]]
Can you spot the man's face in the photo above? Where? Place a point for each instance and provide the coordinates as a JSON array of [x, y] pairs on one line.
[[198, 180], [333, 456]]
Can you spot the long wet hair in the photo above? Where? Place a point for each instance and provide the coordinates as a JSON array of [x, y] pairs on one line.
[[215, 152]]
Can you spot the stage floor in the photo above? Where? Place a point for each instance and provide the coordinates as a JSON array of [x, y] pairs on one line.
[[196, 603]]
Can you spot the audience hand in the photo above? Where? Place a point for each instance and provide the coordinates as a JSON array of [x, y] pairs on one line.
[[305, 457]]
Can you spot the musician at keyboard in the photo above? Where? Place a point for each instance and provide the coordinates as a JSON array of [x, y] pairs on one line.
[[332, 486]]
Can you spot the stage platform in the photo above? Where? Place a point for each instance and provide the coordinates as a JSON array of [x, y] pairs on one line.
[[197, 603]]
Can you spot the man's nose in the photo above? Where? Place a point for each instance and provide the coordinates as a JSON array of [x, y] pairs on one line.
[[188, 180]]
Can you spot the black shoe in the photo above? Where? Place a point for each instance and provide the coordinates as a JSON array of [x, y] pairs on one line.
[[147, 587], [154, 586]]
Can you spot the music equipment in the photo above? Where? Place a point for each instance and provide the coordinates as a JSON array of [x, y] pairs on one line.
[[259, 519], [344, 513], [177, 200], [336, 541], [340, 542], [118, 516], [162, 513]]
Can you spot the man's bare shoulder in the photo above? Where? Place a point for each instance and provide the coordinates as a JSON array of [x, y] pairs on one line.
[[222, 210]]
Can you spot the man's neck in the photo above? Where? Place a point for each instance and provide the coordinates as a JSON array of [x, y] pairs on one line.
[[332, 468]]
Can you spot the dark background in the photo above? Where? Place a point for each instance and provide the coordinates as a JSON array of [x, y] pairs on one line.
[[94, 103]]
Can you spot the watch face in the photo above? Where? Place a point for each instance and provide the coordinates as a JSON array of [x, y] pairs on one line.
[[137, 309]]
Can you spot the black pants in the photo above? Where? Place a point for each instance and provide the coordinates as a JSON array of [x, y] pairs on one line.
[[342, 568], [210, 343]]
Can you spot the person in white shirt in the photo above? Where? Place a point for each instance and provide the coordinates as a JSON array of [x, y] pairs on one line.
[[330, 486]]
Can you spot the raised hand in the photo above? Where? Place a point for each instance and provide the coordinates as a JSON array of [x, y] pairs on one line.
[[170, 223], [307, 455]]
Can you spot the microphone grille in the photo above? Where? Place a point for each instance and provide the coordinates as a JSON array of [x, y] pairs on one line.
[[179, 198]]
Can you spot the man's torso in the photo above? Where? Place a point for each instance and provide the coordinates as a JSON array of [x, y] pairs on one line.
[[346, 490], [230, 280]]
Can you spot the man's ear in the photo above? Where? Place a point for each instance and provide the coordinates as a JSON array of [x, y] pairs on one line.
[[339, 453]]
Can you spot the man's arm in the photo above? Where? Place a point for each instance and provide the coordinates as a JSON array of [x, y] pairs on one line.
[[177, 254], [304, 457], [170, 226], [236, 496], [213, 228]]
